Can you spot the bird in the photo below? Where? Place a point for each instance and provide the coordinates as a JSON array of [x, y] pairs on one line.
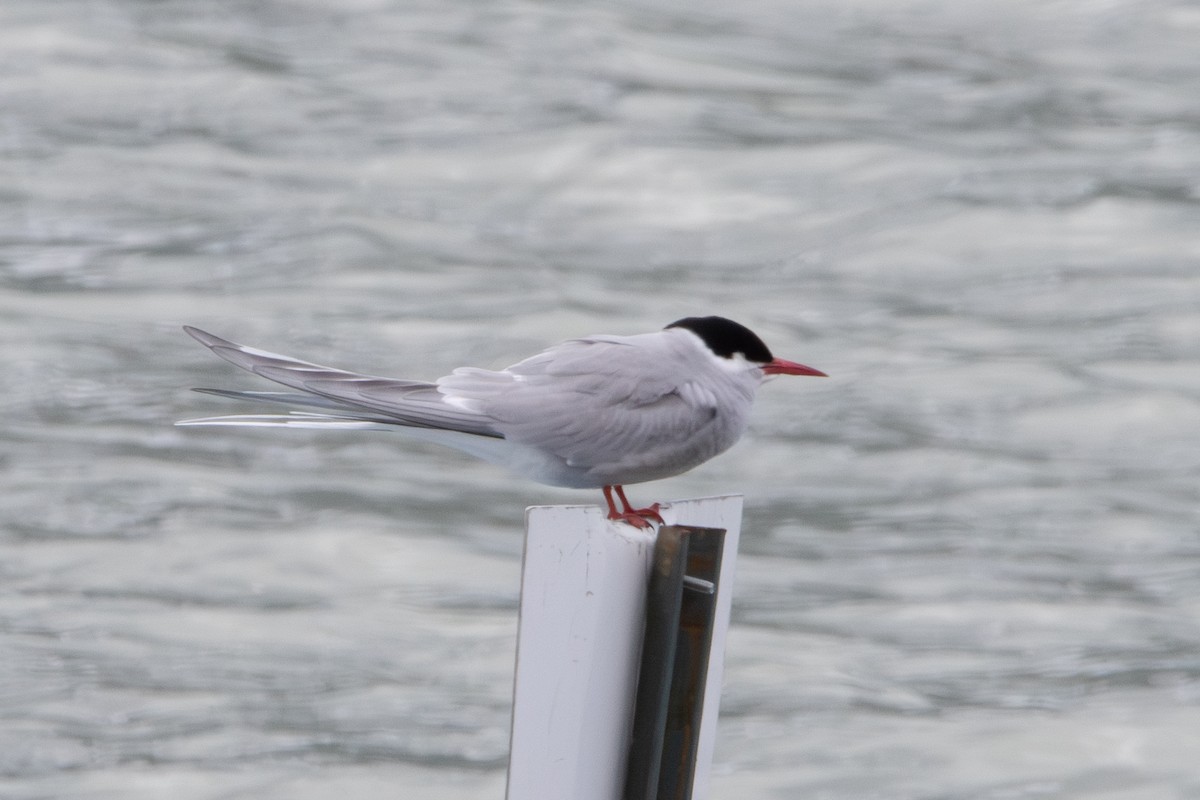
[[597, 412]]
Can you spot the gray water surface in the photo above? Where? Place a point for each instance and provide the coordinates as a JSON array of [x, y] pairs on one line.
[[970, 564]]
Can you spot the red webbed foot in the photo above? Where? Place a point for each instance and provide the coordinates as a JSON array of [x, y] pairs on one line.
[[637, 517]]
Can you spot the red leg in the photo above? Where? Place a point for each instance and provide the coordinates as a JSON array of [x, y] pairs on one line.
[[635, 518], [649, 512]]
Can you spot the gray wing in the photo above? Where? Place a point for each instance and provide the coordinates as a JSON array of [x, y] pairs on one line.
[[598, 403], [344, 394]]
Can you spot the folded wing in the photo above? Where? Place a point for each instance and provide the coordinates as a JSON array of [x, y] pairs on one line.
[[579, 402]]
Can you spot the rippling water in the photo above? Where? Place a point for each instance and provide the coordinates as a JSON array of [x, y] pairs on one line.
[[970, 565]]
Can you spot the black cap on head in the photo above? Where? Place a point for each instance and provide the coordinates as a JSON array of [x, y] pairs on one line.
[[726, 337]]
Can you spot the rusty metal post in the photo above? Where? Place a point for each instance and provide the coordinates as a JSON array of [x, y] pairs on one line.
[[680, 611]]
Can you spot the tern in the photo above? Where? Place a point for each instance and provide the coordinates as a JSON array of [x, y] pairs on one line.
[[598, 412]]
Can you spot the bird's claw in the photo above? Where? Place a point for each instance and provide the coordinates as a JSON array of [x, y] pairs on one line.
[[650, 513], [637, 518]]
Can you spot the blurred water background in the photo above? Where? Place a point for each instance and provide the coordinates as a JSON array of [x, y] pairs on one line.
[[971, 563]]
